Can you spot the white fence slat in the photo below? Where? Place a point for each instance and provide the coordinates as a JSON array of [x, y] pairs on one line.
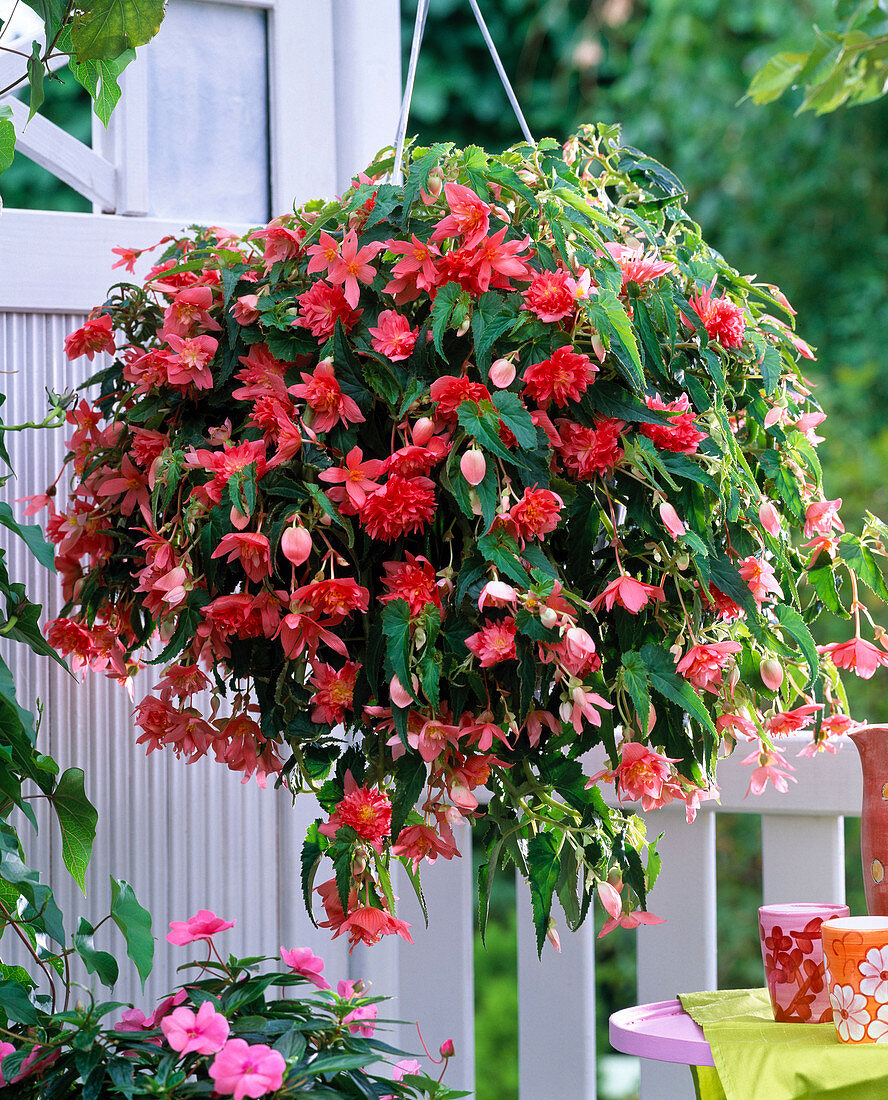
[[367, 71], [803, 858], [67, 158], [125, 142], [302, 120], [680, 955], [556, 1010], [436, 984]]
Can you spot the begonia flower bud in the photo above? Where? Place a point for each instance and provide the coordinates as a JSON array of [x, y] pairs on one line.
[[670, 519], [771, 672], [423, 430], [769, 518], [548, 617], [502, 373], [473, 466], [398, 694], [296, 544], [464, 326]]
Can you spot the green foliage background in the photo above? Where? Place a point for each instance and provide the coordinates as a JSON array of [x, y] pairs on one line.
[[799, 200]]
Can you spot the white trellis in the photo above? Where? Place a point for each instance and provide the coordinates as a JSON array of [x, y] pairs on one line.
[[284, 100]]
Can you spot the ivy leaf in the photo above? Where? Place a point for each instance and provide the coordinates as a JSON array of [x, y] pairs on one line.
[[543, 866], [96, 962], [665, 680], [103, 29], [135, 924], [77, 819]]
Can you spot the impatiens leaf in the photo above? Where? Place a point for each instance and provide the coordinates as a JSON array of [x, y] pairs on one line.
[[135, 923], [100, 963], [543, 867], [77, 819]]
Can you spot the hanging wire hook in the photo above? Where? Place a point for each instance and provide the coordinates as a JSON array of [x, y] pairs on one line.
[[422, 11]]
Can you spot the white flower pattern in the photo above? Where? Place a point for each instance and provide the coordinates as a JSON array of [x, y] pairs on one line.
[[878, 1028], [874, 971], [849, 1013]]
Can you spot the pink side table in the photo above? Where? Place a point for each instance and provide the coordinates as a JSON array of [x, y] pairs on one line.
[[662, 1031]]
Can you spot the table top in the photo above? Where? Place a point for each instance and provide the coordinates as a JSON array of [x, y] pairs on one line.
[[662, 1031]]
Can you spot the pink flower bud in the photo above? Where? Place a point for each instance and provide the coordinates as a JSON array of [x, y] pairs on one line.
[[464, 327], [446, 1050], [502, 373], [548, 617], [423, 430], [769, 518], [670, 519], [473, 466], [771, 672], [296, 544]]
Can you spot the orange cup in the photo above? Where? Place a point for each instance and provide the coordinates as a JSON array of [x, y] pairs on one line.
[[855, 956]]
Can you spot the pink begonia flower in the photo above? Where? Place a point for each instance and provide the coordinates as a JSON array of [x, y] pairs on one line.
[[241, 1070], [772, 768], [202, 926], [670, 519], [494, 642], [628, 593], [352, 266], [203, 1032], [323, 254], [8, 1048], [786, 722], [360, 1020], [301, 960], [469, 216], [497, 594], [703, 664], [613, 904], [352, 481], [251, 549], [822, 518], [641, 773], [761, 579], [393, 337], [324, 397], [190, 363], [502, 373], [128, 257], [856, 654], [422, 842], [583, 704]]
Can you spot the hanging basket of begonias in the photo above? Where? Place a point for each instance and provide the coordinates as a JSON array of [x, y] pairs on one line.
[[438, 487]]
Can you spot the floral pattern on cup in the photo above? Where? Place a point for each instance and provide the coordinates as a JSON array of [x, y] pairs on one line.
[[793, 957], [856, 972]]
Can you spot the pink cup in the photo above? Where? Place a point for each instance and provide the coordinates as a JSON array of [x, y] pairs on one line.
[[792, 952]]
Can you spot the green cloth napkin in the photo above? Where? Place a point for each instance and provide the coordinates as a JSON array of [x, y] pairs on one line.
[[758, 1059]]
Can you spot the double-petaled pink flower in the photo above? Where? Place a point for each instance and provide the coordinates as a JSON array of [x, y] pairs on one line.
[[704, 664]]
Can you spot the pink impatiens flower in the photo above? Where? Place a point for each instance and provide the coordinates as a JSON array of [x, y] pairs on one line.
[[201, 1032], [393, 337], [202, 926], [241, 1070], [360, 1020], [302, 961]]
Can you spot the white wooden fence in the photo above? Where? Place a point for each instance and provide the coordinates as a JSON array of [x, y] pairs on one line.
[[192, 837]]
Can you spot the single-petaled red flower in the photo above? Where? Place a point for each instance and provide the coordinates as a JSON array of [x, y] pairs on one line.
[[322, 306], [679, 435], [401, 506], [552, 295], [351, 266], [469, 216], [415, 272], [323, 395], [586, 452], [353, 481], [564, 377]]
